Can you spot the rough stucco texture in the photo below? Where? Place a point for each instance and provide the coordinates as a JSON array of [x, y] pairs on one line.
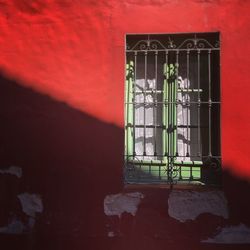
[[188, 205], [74, 52], [61, 112]]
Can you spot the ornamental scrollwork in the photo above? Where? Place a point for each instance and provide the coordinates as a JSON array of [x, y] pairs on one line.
[[170, 44]]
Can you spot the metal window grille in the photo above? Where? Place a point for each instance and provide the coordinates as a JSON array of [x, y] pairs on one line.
[[172, 108]]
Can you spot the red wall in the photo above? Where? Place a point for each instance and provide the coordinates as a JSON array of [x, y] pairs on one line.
[[62, 90], [74, 52]]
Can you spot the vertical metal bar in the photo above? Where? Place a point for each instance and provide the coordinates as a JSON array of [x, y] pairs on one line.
[[187, 102], [172, 116], [170, 111], [191, 173], [168, 115], [165, 112], [176, 104], [180, 174], [144, 105], [129, 113], [127, 109], [134, 97], [182, 122], [209, 103], [155, 104], [167, 108], [198, 106]]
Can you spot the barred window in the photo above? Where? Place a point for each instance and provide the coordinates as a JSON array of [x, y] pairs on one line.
[[172, 108]]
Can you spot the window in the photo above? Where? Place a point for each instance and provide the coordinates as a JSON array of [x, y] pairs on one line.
[[172, 108]]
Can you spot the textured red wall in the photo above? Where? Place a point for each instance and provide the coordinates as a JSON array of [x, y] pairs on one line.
[[61, 112], [74, 52]]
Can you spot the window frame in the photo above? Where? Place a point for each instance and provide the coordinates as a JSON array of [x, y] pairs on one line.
[[193, 167]]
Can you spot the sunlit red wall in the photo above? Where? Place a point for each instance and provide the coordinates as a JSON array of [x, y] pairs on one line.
[[73, 51]]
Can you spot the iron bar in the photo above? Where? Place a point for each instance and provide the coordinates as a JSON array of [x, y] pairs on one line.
[[189, 90], [162, 91], [160, 155], [198, 106], [209, 103], [183, 119], [150, 91], [165, 107], [166, 103], [155, 104], [176, 105], [144, 109], [179, 102], [187, 102], [127, 105], [164, 127], [134, 95], [168, 111], [180, 174], [187, 49]]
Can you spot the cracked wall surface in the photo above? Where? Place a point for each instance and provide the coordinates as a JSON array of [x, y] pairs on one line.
[[62, 119]]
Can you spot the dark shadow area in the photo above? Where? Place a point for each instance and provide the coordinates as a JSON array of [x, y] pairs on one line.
[[71, 159], [237, 192]]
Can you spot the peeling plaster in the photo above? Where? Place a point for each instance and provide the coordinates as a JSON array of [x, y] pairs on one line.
[[14, 227], [13, 170], [231, 235], [188, 205], [111, 234], [31, 203], [117, 204]]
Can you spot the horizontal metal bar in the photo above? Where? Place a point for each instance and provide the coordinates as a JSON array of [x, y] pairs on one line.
[[191, 126], [159, 155], [150, 182], [161, 91], [162, 126], [169, 50], [187, 163], [149, 91], [190, 90], [178, 102], [161, 163], [145, 126], [152, 163]]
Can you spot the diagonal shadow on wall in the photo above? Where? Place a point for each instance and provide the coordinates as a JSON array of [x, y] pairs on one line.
[[68, 157], [73, 161]]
